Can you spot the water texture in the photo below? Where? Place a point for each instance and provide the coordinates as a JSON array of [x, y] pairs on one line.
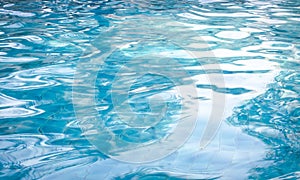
[[46, 46]]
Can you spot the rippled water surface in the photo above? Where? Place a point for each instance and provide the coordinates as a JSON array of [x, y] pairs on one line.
[[64, 56]]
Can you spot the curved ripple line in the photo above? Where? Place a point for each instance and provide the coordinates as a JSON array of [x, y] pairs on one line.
[[37, 78], [14, 108]]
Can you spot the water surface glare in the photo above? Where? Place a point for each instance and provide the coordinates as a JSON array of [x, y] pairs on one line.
[[213, 85]]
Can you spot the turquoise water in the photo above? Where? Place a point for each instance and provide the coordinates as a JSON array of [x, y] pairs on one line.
[[82, 82]]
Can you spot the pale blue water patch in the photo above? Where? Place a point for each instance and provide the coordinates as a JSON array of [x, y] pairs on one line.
[[256, 44]]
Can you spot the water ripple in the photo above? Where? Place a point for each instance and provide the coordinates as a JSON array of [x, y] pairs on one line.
[[256, 44], [14, 108], [36, 78], [16, 13]]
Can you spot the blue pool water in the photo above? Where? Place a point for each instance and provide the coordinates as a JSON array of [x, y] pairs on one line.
[[210, 87]]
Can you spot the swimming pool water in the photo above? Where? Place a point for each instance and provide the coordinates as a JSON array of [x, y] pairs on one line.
[[83, 81]]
